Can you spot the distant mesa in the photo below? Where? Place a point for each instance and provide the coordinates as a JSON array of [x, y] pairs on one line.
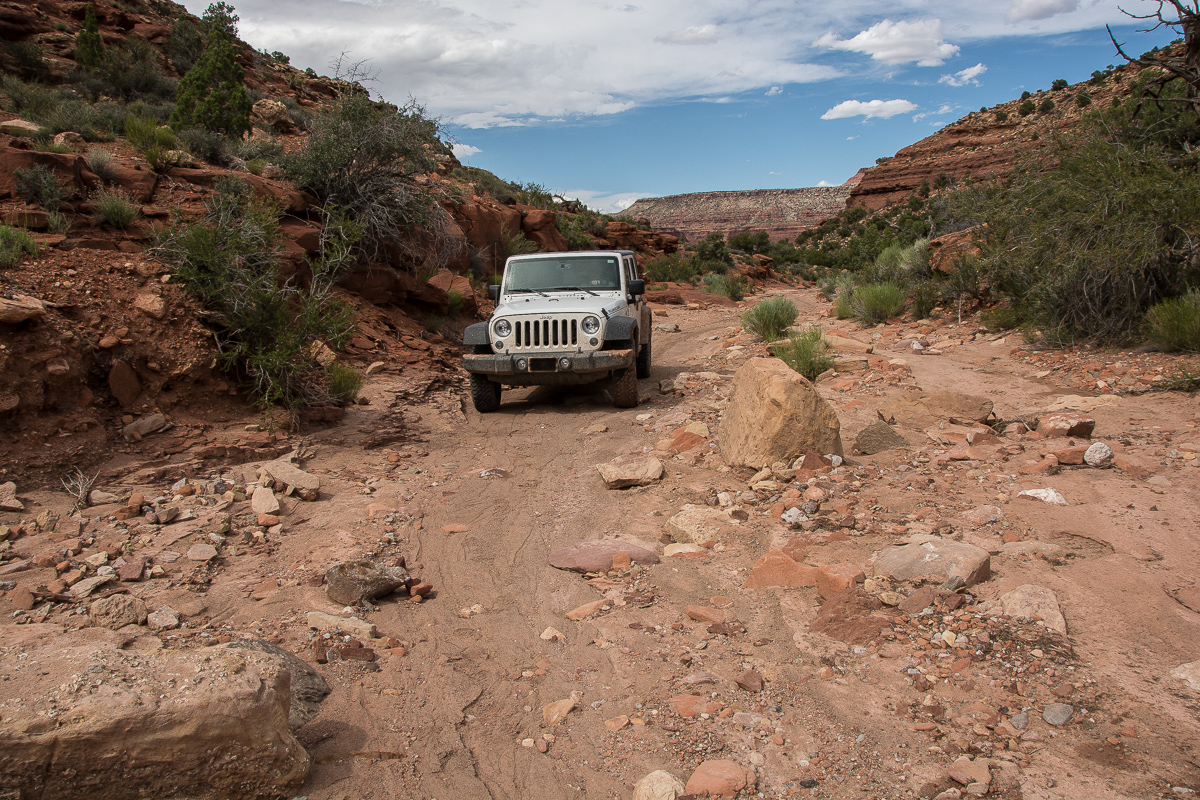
[[782, 213]]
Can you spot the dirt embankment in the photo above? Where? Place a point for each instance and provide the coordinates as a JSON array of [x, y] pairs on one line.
[[878, 691]]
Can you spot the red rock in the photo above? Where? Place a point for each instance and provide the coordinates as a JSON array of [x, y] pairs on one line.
[[1072, 456], [266, 520], [124, 384], [597, 555], [777, 568], [750, 680], [721, 778], [1067, 425], [421, 589], [1047, 466], [713, 616], [690, 705], [835, 578], [21, 599], [131, 571], [586, 610]]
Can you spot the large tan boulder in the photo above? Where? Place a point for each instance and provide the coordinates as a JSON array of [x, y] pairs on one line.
[[139, 730], [775, 414]]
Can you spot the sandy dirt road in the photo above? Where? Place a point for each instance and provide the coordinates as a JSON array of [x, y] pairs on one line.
[[858, 698]]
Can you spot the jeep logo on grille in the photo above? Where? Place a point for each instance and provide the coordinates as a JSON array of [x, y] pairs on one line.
[[546, 316]]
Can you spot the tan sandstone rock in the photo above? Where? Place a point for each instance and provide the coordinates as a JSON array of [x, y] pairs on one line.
[[774, 414]]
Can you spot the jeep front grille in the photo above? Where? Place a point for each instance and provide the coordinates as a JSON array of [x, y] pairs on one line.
[[545, 334]]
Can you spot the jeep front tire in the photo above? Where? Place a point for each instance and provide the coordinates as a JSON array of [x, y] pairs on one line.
[[485, 394]]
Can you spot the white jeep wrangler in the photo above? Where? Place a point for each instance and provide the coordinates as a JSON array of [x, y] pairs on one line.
[[562, 319]]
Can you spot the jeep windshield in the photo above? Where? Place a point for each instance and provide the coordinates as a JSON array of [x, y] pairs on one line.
[[563, 273]]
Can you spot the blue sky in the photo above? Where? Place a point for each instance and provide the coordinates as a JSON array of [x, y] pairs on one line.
[[607, 101]]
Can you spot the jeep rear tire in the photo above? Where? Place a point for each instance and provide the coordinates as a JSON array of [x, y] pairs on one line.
[[485, 395], [643, 361], [625, 391]]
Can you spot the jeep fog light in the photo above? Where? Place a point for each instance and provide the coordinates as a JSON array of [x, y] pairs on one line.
[[503, 328], [590, 325], [522, 364], [564, 363]]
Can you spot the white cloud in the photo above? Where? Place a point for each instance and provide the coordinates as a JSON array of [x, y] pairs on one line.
[[1039, 9], [826, 183], [697, 34], [462, 151], [941, 112], [604, 202], [964, 76], [883, 109], [898, 42], [774, 90]]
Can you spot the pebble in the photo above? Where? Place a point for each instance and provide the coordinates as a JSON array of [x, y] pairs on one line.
[[1058, 714]]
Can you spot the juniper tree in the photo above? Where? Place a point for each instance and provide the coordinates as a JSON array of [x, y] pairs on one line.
[[213, 94]]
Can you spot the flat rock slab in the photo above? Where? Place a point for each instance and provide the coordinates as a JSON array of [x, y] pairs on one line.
[[878, 437], [698, 525], [721, 778], [934, 559], [351, 582], [920, 410], [319, 620], [305, 485], [626, 471], [596, 555], [223, 733], [1031, 601]]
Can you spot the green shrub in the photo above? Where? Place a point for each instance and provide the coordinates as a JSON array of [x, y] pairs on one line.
[[1174, 324], [212, 94], [366, 158], [89, 48], [456, 301], [873, 303], [15, 243], [208, 146], [31, 100], [255, 166], [770, 318], [1002, 317], [40, 186], [27, 58], [144, 132], [1046, 106], [925, 297], [184, 46], [1026, 95], [806, 352], [343, 382], [732, 286], [1059, 84], [267, 329], [674, 268], [114, 207], [100, 162], [1001, 115], [58, 222], [434, 323], [1026, 108], [1083, 99]]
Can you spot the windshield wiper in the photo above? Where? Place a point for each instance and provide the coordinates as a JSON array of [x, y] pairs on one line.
[[527, 291], [572, 289]]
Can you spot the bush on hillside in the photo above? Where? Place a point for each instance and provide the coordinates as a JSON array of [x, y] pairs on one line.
[[114, 207], [873, 303], [15, 243], [365, 159], [269, 331], [770, 318], [212, 95], [40, 186], [1174, 324]]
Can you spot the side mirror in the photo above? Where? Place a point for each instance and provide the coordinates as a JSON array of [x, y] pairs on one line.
[[494, 293], [637, 287]]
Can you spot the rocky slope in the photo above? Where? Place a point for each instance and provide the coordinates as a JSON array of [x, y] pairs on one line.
[[986, 143], [782, 213]]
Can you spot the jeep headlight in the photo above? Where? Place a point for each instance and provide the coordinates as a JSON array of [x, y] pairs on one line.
[[590, 325], [503, 328]]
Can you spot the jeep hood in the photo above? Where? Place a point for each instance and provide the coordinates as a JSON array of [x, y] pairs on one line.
[[560, 303]]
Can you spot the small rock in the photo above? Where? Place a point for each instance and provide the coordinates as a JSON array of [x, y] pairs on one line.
[[201, 552], [8, 497], [144, 426], [713, 616], [352, 625], [553, 713], [1047, 495], [698, 525], [720, 778], [1189, 673], [1072, 425], [97, 497], [117, 611], [1058, 714], [750, 680], [1098, 455], [616, 723], [151, 305], [165, 619], [349, 583], [586, 610], [597, 555], [966, 771], [934, 558], [552, 635], [626, 471], [877, 438], [658, 785], [1031, 601], [263, 501]]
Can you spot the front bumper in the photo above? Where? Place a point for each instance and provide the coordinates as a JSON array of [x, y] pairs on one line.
[[546, 368]]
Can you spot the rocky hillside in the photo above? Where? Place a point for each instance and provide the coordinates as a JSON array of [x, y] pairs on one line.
[[988, 143], [782, 213], [94, 331]]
